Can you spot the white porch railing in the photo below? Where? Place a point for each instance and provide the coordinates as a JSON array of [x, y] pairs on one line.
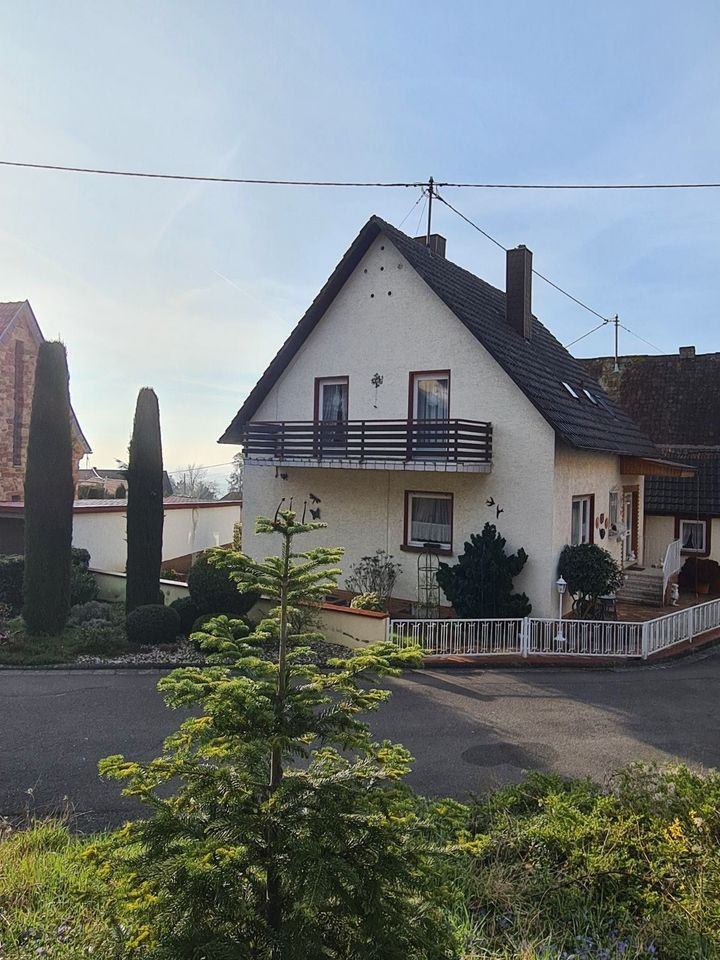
[[459, 636], [671, 563], [580, 638]]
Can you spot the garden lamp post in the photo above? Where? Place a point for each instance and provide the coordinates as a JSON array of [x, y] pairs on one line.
[[561, 587]]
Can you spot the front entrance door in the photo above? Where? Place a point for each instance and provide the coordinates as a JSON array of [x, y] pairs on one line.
[[429, 411], [629, 521]]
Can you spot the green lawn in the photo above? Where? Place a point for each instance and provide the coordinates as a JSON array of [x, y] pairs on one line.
[[52, 900], [549, 870]]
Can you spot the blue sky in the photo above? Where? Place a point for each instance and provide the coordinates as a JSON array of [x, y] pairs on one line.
[[191, 288]]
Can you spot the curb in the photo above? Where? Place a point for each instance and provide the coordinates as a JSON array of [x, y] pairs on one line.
[[150, 665]]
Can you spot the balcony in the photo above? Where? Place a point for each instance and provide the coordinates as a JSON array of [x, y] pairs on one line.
[[448, 446]]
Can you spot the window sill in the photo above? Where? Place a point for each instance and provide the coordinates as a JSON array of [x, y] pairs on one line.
[[442, 551]]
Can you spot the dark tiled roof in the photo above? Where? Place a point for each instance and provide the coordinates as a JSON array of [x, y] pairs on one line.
[[699, 495], [538, 366], [93, 473], [674, 399]]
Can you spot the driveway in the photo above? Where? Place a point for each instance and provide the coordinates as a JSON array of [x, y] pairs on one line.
[[468, 730]]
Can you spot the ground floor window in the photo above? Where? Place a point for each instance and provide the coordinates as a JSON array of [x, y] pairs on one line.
[[581, 527], [428, 519], [693, 536]]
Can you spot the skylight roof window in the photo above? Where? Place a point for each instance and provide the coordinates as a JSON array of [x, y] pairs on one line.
[[570, 390], [590, 397]]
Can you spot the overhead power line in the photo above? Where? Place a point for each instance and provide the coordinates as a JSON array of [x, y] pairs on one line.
[[604, 320], [268, 181], [537, 273]]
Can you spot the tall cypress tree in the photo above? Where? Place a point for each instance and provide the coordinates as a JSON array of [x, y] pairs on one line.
[[144, 504], [49, 490]]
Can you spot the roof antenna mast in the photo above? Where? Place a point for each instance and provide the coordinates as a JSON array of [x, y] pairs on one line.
[[431, 190], [616, 321]]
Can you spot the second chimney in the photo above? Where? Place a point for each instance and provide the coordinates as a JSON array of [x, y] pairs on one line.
[[518, 290]]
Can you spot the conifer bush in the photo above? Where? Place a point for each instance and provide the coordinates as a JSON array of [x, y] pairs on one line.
[[152, 624], [49, 492], [144, 504], [257, 856], [212, 587], [480, 584]]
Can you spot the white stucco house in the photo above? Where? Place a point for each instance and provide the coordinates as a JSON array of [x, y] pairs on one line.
[[413, 402]]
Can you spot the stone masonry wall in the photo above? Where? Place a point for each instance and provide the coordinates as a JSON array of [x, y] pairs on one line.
[[12, 475]]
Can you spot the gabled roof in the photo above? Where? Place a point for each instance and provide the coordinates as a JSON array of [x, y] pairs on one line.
[[675, 399], [538, 366], [89, 474], [10, 313], [698, 496]]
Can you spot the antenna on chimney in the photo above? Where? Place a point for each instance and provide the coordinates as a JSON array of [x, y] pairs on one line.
[[616, 321], [431, 190]]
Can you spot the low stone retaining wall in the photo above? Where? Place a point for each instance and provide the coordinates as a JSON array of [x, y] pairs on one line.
[[340, 625]]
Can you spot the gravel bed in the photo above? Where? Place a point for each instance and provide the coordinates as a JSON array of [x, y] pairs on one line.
[[184, 653]]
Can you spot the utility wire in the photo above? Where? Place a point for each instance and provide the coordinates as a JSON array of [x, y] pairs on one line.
[[536, 272], [578, 339], [604, 320], [638, 337], [422, 194], [178, 176], [266, 181]]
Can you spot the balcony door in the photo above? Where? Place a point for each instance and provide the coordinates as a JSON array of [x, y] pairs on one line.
[[429, 411], [331, 414]]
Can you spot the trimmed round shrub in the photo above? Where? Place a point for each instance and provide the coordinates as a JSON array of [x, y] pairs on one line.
[[83, 585], [152, 624], [187, 611], [81, 557], [214, 592]]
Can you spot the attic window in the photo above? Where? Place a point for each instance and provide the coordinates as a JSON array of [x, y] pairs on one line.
[[570, 390], [590, 397]]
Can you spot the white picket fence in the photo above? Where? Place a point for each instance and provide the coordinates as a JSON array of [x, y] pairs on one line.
[[533, 636]]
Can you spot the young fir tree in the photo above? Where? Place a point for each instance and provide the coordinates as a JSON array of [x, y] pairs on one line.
[[480, 584], [49, 490], [290, 835], [144, 504]]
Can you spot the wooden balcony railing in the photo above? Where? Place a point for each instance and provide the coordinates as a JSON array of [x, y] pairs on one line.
[[458, 441]]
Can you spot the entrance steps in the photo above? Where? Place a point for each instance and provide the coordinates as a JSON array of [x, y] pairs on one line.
[[642, 586]]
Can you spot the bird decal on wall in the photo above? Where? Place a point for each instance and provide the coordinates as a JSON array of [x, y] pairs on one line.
[[315, 513], [498, 511], [490, 502], [314, 499]]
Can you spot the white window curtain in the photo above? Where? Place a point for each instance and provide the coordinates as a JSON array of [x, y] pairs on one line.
[[432, 399], [693, 535], [334, 401], [430, 520]]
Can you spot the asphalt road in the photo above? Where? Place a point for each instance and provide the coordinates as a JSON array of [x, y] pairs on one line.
[[468, 730]]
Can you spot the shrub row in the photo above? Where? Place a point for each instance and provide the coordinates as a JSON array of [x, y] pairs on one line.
[[83, 586]]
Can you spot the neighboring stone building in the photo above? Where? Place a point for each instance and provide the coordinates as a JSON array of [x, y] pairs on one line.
[[20, 337]]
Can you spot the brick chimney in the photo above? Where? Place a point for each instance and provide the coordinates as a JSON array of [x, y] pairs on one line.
[[687, 353], [437, 244], [518, 290]]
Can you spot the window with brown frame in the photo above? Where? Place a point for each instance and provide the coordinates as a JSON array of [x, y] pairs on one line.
[[428, 520]]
